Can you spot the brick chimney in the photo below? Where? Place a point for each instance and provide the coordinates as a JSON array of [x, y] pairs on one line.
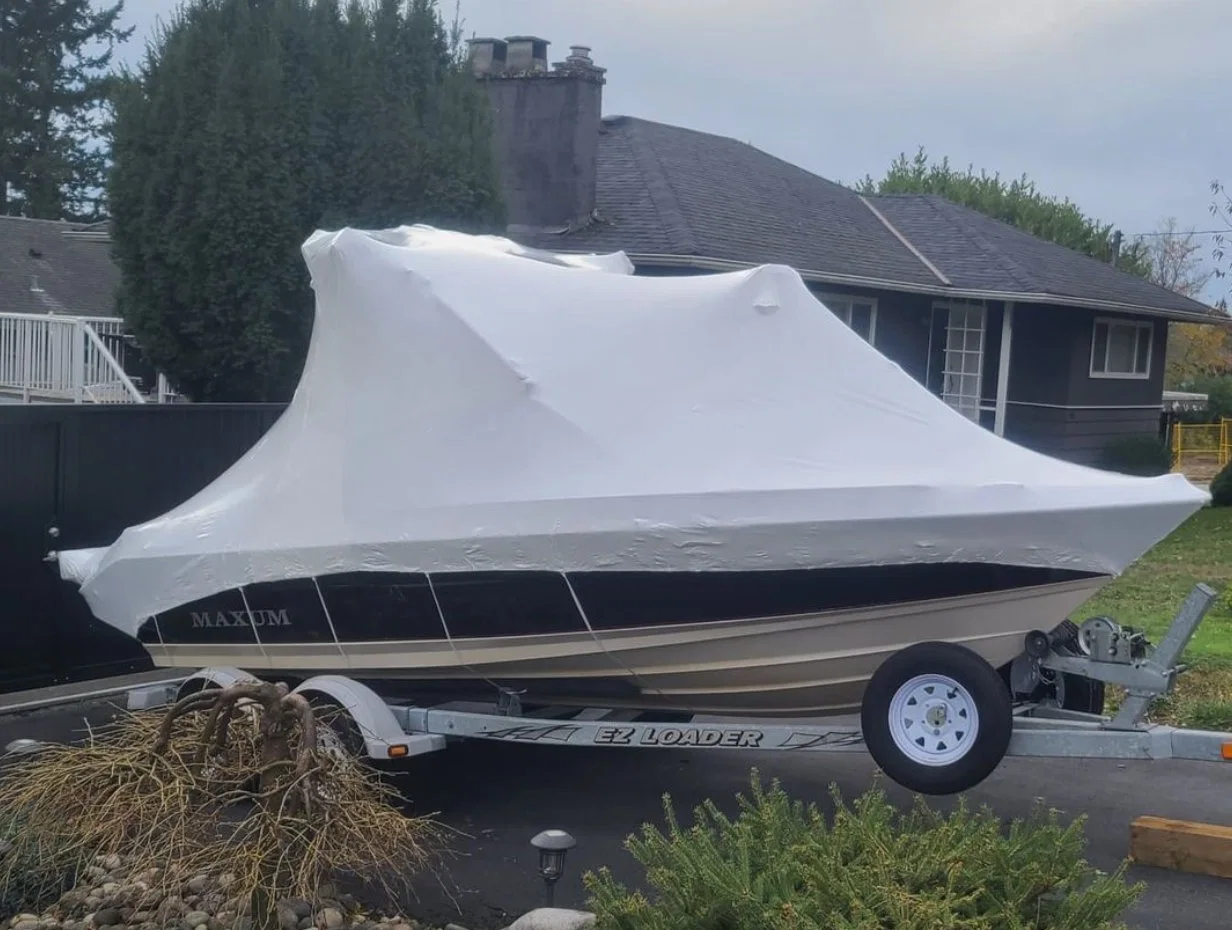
[[546, 125]]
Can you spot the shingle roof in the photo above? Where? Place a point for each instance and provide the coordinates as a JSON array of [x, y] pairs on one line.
[[43, 270], [665, 191], [976, 251]]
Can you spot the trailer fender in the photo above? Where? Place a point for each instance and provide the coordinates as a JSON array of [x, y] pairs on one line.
[[382, 734], [214, 676]]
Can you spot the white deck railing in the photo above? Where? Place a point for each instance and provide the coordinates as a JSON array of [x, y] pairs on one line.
[[74, 359]]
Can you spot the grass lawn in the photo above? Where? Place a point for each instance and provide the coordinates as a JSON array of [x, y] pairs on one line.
[[1147, 596]]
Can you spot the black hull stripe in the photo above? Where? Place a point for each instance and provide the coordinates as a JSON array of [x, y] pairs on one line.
[[386, 606]]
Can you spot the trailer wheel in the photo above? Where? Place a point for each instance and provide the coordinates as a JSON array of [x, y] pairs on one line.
[[337, 731], [195, 686], [1085, 695], [936, 718]]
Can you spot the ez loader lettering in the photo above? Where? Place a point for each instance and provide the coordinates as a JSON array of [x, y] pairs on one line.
[[677, 736]]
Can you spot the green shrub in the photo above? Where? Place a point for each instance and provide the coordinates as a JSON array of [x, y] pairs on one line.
[[1221, 487], [1218, 389], [778, 865], [36, 879], [1137, 455]]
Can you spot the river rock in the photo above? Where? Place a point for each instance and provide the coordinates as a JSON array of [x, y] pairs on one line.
[[107, 917], [195, 919], [287, 919], [299, 907], [554, 918], [27, 924], [198, 884], [330, 918]]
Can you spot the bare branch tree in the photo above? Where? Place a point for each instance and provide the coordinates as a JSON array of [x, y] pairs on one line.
[[1175, 259], [1221, 210]]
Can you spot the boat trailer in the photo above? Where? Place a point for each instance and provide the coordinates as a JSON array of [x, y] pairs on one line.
[[935, 721]]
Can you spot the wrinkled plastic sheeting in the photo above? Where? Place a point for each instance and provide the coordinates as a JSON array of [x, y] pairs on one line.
[[468, 404]]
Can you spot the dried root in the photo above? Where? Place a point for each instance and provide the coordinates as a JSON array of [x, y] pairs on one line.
[[226, 780]]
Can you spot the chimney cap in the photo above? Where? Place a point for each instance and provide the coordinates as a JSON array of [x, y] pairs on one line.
[[487, 55], [526, 54]]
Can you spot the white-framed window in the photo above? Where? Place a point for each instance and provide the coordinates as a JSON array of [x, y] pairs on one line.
[[1121, 348], [962, 373], [860, 313]]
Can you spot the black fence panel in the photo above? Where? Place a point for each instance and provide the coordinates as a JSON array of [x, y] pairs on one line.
[[75, 476]]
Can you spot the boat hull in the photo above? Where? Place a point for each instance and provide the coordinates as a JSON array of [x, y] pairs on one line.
[[800, 664]]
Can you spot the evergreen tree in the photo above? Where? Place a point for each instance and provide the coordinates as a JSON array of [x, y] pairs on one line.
[[1016, 202], [250, 124], [54, 84]]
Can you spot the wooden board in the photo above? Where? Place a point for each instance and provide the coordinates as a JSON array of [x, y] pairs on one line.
[[1202, 848]]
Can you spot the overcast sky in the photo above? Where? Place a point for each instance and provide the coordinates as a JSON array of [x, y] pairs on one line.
[[1121, 105]]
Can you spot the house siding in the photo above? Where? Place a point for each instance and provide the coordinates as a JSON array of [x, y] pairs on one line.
[[902, 325], [903, 332], [1055, 406]]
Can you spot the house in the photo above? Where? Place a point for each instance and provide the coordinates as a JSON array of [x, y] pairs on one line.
[[1046, 346], [60, 339], [51, 266]]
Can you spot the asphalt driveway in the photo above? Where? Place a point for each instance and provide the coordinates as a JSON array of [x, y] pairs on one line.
[[501, 795]]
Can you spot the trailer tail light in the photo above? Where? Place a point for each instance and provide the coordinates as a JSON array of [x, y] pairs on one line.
[[1226, 752], [400, 751]]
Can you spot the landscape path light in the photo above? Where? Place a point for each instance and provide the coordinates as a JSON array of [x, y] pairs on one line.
[[553, 846]]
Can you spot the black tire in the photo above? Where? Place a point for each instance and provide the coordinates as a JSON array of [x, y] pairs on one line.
[[985, 690], [195, 686], [335, 724], [1085, 695], [1078, 693]]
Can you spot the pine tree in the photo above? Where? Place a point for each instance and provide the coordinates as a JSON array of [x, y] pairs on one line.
[[55, 56], [249, 125]]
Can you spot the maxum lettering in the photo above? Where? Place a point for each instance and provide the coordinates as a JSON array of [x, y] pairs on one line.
[[210, 619]]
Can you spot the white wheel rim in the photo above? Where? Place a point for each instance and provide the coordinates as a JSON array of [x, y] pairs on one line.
[[933, 720]]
